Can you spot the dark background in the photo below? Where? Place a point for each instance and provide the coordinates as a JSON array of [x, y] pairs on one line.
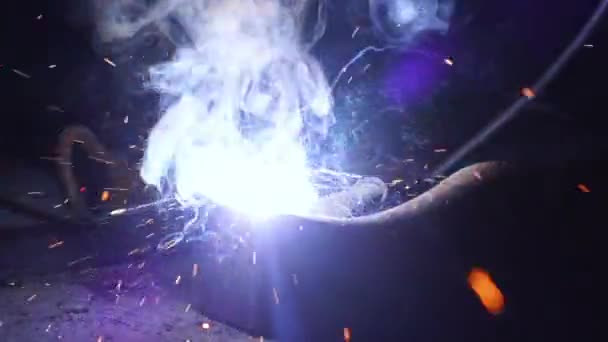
[[537, 234], [498, 48]]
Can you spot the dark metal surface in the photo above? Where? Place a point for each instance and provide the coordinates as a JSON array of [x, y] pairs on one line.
[[307, 281]]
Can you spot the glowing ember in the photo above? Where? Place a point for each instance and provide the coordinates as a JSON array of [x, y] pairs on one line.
[[528, 92], [347, 334], [490, 295], [583, 188]]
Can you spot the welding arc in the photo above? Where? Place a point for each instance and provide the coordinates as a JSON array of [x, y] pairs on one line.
[[455, 185], [512, 111], [450, 188]]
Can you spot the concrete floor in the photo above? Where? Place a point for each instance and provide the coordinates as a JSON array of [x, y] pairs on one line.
[[98, 305], [45, 298], [34, 187]]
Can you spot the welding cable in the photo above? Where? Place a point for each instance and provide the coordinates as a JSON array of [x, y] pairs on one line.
[[510, 113]]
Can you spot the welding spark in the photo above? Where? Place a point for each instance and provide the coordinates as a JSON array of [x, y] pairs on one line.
[[118, 212], [354, 59], [56, 244], [107, 60], [21, 73], [77, 261]]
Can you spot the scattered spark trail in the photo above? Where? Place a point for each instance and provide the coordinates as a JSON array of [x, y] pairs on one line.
[[372, 48], [352, 61], [21, 73]]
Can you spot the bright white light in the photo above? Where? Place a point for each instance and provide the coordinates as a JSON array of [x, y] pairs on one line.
[[245, 64], [256, 180]]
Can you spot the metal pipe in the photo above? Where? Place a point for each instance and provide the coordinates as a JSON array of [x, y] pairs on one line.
[[329, 210]]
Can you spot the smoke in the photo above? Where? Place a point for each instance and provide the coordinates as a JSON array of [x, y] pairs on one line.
[[399, 21], [247, 101]]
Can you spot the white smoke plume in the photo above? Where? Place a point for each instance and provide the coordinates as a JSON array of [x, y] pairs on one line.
[[400, 21], [245, 94]]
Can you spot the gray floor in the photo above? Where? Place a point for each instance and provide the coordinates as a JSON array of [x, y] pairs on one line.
[[45, 300], [36, 188], [89, 306]]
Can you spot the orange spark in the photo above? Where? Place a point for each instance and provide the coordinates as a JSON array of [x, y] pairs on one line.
[[347, 334], [105, 196], [528, 92], [490, 295], [583, 188]]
